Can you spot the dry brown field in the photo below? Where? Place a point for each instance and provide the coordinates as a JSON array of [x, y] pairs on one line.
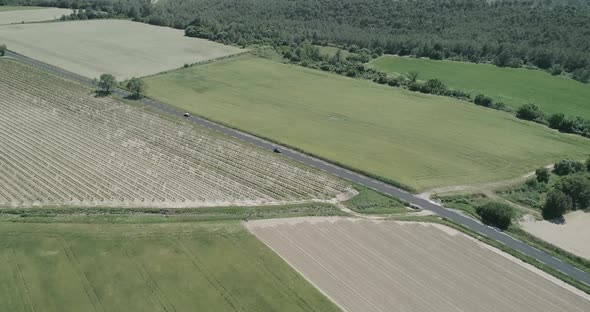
[[31, 15], [119, 47], [62, 145], [365, 265]]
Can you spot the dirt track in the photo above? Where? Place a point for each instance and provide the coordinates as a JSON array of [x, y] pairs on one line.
[[366, 265]]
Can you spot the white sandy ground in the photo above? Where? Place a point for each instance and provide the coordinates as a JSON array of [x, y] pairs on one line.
[[27, 16], [572, 235], [123, 48], [369, 265]]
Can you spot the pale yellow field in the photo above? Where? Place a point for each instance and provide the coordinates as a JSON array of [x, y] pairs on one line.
[[367, 266], [28, 15], [571, 235], [122, 48]]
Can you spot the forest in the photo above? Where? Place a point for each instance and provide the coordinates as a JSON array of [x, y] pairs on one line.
[[550, 35]]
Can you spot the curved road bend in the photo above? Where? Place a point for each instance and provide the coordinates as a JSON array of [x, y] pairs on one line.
[[343, 173]]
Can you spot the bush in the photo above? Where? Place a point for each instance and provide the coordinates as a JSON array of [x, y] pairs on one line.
[[496, 214], [434, 86], [530, 112], [2, 49], [554, 121], [568, 166], [483, 100], [556, 204], [542, 174]]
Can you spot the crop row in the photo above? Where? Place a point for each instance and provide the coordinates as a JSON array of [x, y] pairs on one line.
[[62, 145]]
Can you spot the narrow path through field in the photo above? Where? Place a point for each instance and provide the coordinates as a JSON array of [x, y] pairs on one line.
[[374, 184]]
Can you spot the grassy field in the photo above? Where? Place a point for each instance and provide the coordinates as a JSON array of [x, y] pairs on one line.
[[18, 8], [514, 87], [158, 267], [119, 47], [420, 140], [18, 15]]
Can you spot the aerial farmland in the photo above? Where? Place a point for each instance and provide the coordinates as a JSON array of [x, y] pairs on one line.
[[16, 15], [293, 155], [64, 146], [94, 47]]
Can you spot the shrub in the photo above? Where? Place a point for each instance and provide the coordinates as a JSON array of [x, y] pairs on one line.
[[555, 121], [530, 112], [542, 174], [556, 204], [483, 100], [568, 166], [496, 214], [434, 86], [2, 49]]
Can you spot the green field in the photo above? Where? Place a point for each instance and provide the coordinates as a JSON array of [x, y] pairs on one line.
[[146, 267], [18, 8], [513, 86], [420, 140]]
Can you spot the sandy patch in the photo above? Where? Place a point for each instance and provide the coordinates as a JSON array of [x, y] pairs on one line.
[[572, 235]]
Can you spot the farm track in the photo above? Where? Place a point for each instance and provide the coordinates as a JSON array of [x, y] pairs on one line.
[[456, 217]]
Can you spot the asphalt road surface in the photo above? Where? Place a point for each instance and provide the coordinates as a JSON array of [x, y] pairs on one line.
[[458, 218]]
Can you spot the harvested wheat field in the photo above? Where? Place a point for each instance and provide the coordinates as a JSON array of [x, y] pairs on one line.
[[122, 48], [572, 234], [28, 15], [365, 265], [61, 145]]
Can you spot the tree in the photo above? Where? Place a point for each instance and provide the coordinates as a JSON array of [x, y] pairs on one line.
[[556, 204], [496, 214], [530, 112], [106, 83], [137, 87], [568, 166], [2, 49], [576, 187], [413, 76], [542, 175]]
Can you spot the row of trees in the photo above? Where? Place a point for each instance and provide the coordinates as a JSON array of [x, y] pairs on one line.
[[107, 83], [557, 121], [544, 34]]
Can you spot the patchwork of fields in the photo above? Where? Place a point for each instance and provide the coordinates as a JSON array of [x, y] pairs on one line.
[[513, 86], [61, 145], [14, 15], [368, 266], [420, 140], [119, 47], [159, 267]]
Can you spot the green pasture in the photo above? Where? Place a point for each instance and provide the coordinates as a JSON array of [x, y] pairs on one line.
[[18, 8], [146, 267], [420, 140], [513, 86]]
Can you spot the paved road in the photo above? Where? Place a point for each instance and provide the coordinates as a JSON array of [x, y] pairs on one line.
[[346, 174]]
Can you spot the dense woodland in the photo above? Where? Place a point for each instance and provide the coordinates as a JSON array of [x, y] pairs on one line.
[[552, 35]]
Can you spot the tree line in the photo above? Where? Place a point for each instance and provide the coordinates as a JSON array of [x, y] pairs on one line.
[[550, 35]]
